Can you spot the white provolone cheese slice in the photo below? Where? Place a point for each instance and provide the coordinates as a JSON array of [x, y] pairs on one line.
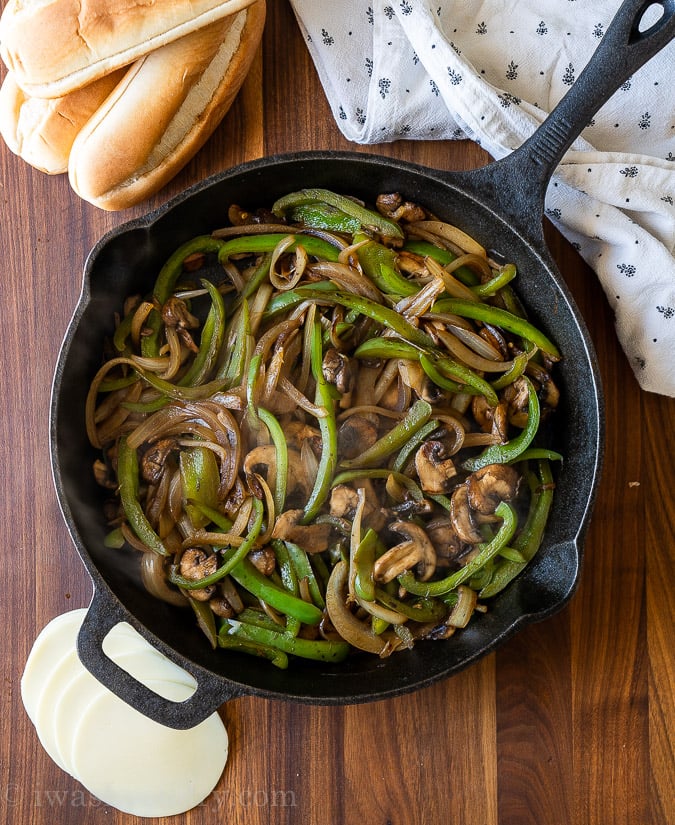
[[54, 641], [141, 767], [121, 756], [143, 663]]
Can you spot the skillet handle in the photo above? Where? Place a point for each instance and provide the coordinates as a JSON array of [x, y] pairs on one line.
[[103, 614], [521, 178]]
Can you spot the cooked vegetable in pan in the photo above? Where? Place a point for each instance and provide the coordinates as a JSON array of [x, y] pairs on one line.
[[326, 429]]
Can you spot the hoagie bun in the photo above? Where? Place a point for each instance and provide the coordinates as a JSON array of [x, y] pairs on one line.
[[162, 112], [56, 46]]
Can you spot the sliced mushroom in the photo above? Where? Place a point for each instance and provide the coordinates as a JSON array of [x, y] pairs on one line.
[[314, 538], [434, 469], [392, 205], [337, 370], [416, 550], [263, 460], [462, 518], [195, 564], [447, 543], [153, 462], [517, 397], [356, 434], [344, 499], [490, 485], [263, 559]]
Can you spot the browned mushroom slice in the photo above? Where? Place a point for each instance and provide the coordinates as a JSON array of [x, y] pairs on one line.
[[263, 460], [337, 370], [393, 206], [314, 538], [490, 485], [517, 397], [434, 469], [462, 517], [416, 551], [195, 564], [447, 543], [153, 462], [263, 559], [356, 435]]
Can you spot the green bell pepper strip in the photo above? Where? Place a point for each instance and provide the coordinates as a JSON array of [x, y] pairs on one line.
[[113, 384], [303, 570], [327, 427], [214, 516], [279, 441], [290, 298], [231, 370], [232, 559], [424, 610], [529, 539], [316, 247], [319, 650], [416, 417], [489, 288], [537, 453], [211, 341], [367, 217], [260, 274], [463, 379], [318, 215], [480, 311], [286, 569], [127, 475], [380, 472], [515, 371], [206, 620], [252, 378], [251, 579], [413, 443], [363, 561], [277, 657], [165, 283], [200, 480], [123, 331], [506, 453], [179, 393], [379, 347], [377, 312], [378, 263], [486, 552]]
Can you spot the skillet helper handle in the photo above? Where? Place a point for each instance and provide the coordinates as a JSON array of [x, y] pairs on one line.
[[103, 614], [522, 177]]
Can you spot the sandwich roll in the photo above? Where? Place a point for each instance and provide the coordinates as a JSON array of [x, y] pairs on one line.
[[55, 46], [163, 111], [42, 130]]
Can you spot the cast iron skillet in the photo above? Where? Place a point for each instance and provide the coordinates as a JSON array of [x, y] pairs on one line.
[[502, 206]]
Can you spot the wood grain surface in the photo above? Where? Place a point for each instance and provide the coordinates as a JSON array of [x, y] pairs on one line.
[[570, 722]]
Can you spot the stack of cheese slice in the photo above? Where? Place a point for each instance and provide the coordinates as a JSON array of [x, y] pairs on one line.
[[120, 756]]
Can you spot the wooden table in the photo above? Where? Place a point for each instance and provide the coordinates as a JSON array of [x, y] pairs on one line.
[[569, 722]]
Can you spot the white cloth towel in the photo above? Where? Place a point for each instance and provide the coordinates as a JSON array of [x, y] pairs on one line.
[[491, 71]]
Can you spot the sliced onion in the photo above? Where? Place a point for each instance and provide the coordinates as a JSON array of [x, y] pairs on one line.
[[345, 622], [463, 610], [154, 580], [460, 351], [451, 234], [348, 278]]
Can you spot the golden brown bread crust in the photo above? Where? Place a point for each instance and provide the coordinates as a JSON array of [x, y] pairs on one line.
[[55, 46], [42, 130], [163, 111]]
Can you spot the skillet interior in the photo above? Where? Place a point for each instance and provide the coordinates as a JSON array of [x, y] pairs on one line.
[[127, 261]]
